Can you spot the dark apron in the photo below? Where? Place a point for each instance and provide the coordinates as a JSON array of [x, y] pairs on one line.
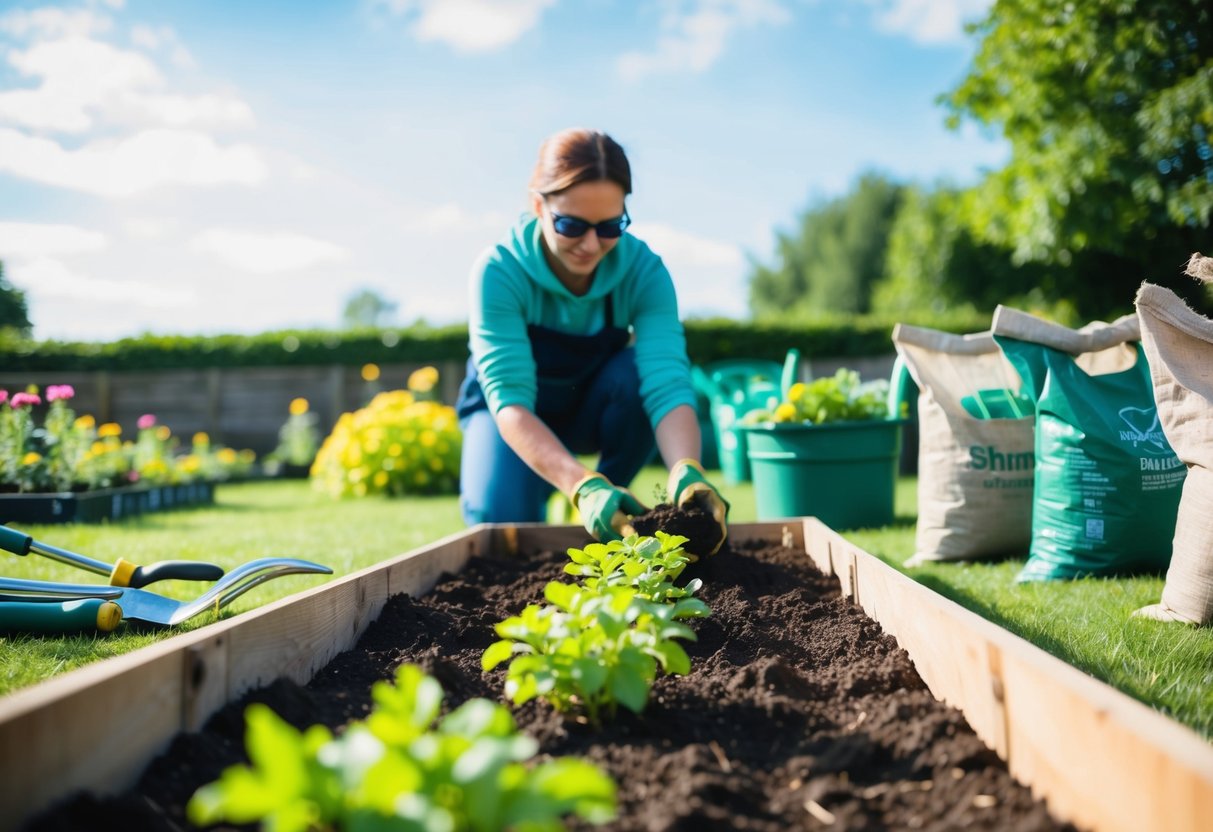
[[564, 367]]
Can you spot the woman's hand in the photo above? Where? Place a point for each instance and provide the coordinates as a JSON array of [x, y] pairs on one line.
[[688, 486], [605, 508]]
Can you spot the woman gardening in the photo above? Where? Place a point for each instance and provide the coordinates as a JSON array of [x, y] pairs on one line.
[[576, 348]]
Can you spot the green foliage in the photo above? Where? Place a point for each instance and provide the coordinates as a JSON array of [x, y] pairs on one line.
[[1108, 108], [837, 398], [14, 311], [399, 770], [590, 651], [598, 645], [935, 264], [650, 565], [831, 262], [367, 309], [295, 348]]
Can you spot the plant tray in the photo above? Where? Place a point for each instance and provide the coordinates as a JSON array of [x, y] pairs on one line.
[[1102, 760], [102, 504]]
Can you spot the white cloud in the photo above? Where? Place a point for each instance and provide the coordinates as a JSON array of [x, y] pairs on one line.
[[470, 25], [928, 22], [694, 34], [451, 217], [262, 253], [149, 228], [85, 80], [29, 240], [53, 22], [133, 165], [680, 249], [49, 278], [157, 38]]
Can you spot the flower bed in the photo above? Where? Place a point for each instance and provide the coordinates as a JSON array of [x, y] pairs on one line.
[[798, 711], [69, 468]]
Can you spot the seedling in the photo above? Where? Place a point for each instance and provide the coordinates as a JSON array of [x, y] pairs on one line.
[[399, 770], [648, 564], [590, 650]]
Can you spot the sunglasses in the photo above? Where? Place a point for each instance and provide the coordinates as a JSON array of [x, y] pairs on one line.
[[576, 227]]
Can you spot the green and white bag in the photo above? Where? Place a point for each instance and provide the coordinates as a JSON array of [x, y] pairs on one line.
[[975, 447], [1179, 344], [1107, 482]]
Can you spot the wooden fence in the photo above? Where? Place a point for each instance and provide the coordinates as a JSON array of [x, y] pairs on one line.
[[244, 407], [241, 407]]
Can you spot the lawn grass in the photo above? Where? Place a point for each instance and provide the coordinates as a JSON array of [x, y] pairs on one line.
[[1085, 623]]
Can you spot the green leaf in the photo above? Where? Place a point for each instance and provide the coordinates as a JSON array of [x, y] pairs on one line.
[[629, 687], [590, 674], [478, 718], [673, 658], [497, 652]]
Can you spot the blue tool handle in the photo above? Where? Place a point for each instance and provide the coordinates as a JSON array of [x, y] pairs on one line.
[[14, 541], [59, 616], [180, 570]]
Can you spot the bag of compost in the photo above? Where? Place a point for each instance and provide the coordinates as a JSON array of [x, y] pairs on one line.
[[1107, 482], [1179, 345], [975, 446]]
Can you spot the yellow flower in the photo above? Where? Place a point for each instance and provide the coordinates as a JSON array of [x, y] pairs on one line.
[[395, 449], [163, 433], [370, 372], [109, 429], [428, 438], [423, 380], [227, 456], [380, 479], [785, 413], [796, 391], [201, 438], [31, 458], [85, 422], [299, 405]]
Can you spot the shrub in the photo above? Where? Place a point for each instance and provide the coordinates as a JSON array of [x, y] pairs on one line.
[[401, 443]]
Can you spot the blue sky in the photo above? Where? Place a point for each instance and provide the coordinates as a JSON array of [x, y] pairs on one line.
[[207, 166]]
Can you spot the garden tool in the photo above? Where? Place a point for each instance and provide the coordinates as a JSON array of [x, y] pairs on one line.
[[42, 604], [122, 573]]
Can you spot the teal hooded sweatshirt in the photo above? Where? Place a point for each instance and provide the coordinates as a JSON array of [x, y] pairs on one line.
[[512, 287]]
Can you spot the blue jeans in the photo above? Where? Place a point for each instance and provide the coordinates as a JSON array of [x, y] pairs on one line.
[[496, 486]]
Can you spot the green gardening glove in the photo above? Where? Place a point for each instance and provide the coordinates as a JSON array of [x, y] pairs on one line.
[[605, 508], [688, 485]]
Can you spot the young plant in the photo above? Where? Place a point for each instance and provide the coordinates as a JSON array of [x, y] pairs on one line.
[[648, 564], [590, 650], [400, 770]]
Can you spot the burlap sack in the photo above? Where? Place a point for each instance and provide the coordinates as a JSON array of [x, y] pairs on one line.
[[1107, 481], [974, 474], [1179, 344]]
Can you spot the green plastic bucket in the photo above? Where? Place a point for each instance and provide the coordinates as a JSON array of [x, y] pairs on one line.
[[844, 473]]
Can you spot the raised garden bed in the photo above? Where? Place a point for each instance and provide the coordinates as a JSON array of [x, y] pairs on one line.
[[798, 711], [102, 504]]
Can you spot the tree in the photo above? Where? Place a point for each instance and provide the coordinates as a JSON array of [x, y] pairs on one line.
[[935, 265], [14, 311], [832, 262], [367, 308], [1108, 108]]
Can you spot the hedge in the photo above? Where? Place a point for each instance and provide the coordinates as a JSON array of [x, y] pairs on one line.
[[707, 340]]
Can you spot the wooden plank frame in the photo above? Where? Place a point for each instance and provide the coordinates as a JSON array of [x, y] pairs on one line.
[[1101, 759]]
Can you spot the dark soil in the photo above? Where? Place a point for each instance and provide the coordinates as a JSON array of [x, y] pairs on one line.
[[799, 713], [698, 526]]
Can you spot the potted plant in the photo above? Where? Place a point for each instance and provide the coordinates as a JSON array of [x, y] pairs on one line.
[[829, 449]]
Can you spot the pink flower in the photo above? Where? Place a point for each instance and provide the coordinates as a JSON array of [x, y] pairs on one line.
[[146, 421], [59, 391], [25, 399], [3, 396]]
